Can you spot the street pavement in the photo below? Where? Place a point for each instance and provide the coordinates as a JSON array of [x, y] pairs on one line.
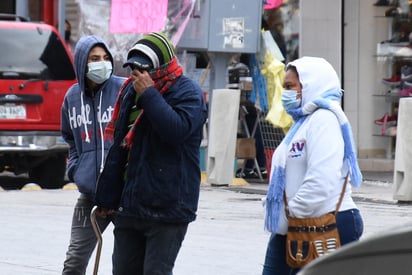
[[227, 237]]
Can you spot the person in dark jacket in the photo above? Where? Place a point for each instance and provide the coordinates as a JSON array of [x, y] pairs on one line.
[[87, 108], [151, 177]]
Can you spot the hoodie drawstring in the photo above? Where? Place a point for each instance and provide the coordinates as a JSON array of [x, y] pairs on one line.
[[84, 118], [101, 131]]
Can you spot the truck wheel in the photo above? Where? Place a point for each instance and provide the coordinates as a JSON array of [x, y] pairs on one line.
[[50, 173]]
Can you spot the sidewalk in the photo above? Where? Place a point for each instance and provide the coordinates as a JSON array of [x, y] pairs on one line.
[[376, 186], [227, 237]]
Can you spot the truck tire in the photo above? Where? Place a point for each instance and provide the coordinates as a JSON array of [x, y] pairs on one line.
[[50, 173]]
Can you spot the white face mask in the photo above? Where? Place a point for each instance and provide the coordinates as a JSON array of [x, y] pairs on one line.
[[289, 100], [99, 71]]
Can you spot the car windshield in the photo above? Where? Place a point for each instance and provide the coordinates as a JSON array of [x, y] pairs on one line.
[[33, 54]]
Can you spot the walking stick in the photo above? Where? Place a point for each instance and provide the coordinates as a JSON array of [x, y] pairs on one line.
[[98, 233]]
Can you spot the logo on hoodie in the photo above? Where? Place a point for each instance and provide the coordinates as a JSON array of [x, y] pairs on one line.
[[296, 149], [83, 116]]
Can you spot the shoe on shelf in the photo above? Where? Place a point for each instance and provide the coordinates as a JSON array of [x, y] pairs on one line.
[[404, 52], [381, 120], [382, 3], [386, 119], [405, 92], [394, 80], [407, 84], [406, 72]]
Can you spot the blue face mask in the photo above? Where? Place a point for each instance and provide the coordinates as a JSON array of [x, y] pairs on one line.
[[289, 100], [99, 71]]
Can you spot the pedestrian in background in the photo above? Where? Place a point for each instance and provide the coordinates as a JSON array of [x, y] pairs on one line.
[[312, 161], [152, 174], [67, 36], [87, 108]]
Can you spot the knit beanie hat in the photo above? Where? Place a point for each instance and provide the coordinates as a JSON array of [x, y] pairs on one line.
[[152, 50]]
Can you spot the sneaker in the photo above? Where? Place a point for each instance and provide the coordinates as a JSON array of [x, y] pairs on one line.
[[386, 119], [240, 173], [250, 174], [264, 173], [406, 72], [394, 80], [405, 92], [382, 3], [407, 84], [246, 174], [404, 51]]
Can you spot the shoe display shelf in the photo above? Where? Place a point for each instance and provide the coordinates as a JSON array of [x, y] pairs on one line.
[[394, 71]]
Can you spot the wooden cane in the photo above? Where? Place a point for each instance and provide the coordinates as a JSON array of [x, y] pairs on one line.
[[98, 233]]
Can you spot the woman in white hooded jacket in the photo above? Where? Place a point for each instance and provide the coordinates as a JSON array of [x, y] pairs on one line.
[[311, 163]]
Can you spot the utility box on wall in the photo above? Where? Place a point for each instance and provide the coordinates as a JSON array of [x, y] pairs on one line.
[[224, 26]]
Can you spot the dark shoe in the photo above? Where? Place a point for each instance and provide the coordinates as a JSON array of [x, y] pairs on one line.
[[381, 3], [264, 174], [250, 174], [240, 173]]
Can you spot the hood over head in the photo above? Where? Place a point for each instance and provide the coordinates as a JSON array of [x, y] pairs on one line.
[[316, 75], [81, 53]]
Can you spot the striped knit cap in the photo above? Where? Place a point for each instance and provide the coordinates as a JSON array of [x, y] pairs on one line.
[[156, 46]]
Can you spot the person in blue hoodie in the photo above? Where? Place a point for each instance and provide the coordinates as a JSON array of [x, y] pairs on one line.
[[151, 178], [87, 108]]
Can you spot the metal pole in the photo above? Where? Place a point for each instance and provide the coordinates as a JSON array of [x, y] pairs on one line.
[[62, 16], [22, 8]]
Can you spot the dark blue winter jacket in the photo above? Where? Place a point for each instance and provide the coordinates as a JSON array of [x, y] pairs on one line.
[[83, 119], [159, 179]]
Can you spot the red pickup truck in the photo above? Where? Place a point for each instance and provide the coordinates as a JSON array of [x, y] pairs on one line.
[[36, 69]]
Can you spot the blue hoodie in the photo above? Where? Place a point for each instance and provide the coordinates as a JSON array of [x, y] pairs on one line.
[[84, 118]]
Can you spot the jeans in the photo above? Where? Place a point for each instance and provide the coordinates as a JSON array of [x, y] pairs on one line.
[[146, 247], [83, 239], [350, 226]]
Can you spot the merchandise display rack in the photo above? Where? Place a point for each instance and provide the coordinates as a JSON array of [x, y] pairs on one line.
[[271, 136]]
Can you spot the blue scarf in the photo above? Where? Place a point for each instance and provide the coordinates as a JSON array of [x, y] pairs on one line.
[[330, 101]]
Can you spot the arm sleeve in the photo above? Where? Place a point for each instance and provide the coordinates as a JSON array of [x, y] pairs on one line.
[[175, 119], [67, 135]]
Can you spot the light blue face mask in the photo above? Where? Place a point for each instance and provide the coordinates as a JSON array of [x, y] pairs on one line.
[[289, 100], [99, 71]]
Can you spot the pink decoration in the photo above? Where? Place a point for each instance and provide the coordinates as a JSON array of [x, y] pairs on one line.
[[138, 16], [271, 4]]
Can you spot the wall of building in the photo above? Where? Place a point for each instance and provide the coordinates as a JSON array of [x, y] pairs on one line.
[[321, 35], [364, 25]]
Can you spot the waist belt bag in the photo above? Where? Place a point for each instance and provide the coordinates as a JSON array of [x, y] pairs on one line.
[[309, 238]]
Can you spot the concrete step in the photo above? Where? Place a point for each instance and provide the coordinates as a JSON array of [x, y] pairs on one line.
[[376, 164]]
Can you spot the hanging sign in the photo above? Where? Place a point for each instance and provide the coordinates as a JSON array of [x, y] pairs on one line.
[[138, 16]]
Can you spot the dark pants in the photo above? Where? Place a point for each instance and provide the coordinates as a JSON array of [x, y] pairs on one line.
[[83, 239], [145, 247], [350, 226], [251, 119]]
